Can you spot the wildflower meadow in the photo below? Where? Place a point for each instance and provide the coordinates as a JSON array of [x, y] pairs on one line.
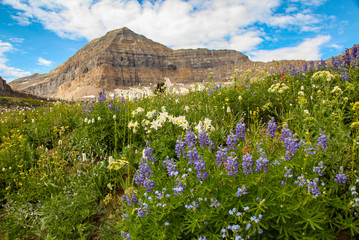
[[273, 156]]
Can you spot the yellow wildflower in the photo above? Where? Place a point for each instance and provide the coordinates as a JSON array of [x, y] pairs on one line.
[[355, 125]]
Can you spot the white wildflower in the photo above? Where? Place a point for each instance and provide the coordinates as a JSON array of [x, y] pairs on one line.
[[150, 114], [337, 89], [228, 109], [301, 93], [110, 160], [155, 125], [306, 111], [240, 98]]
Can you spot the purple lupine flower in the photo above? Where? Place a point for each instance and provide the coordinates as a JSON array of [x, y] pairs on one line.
[[333, 60], [341, 177], [200, 166], [232, 165], [345, 76], [291, 145], [221, 155], [218, 87], [171, 167], [143, 175], [180, 146], [241, 130], [305, 68], [210, 92], [301, 181], [204, 140], [110, 105], [311, 65], [192, 156], [148, 154], [142, 210], [321, 65], [231, 141], [124, 216], [319, 168], [178, 188], [215, 203], [285, 133], [262, 161], [272, 128], [102, 97], [287, 173], [190, 139], [346, 57], [354, 52], [242, 191], [125, 235], [322, 141], [247, 163], [129, 200], [309, 150], [313, 188]]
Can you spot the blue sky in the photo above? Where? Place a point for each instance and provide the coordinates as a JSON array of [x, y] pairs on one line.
[[38, 35]]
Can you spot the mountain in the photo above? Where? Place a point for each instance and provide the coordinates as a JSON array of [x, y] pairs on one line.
[[7, 91], [122, 59]]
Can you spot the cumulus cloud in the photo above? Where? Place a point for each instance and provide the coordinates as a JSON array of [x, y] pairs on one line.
[[304, 21], [175, 23], [309, 49], [42, 61], [8, 72]]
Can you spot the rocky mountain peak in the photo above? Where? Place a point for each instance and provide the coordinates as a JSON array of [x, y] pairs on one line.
[[122, 59]]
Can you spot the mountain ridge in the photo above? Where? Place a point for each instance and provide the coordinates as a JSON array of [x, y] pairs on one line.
[[122, 59]]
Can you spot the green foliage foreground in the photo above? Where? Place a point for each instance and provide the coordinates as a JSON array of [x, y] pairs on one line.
[[273, 157]]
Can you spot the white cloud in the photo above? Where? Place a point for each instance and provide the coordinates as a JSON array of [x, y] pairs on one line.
[[310, 2], [42, 61], [336, 46], [7, 72], [22, 20], [307, 50], [304, 21], [175, 23], [16, 40]]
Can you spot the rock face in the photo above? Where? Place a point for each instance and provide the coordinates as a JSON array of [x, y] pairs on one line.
[[122, 59], [5, 90]]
